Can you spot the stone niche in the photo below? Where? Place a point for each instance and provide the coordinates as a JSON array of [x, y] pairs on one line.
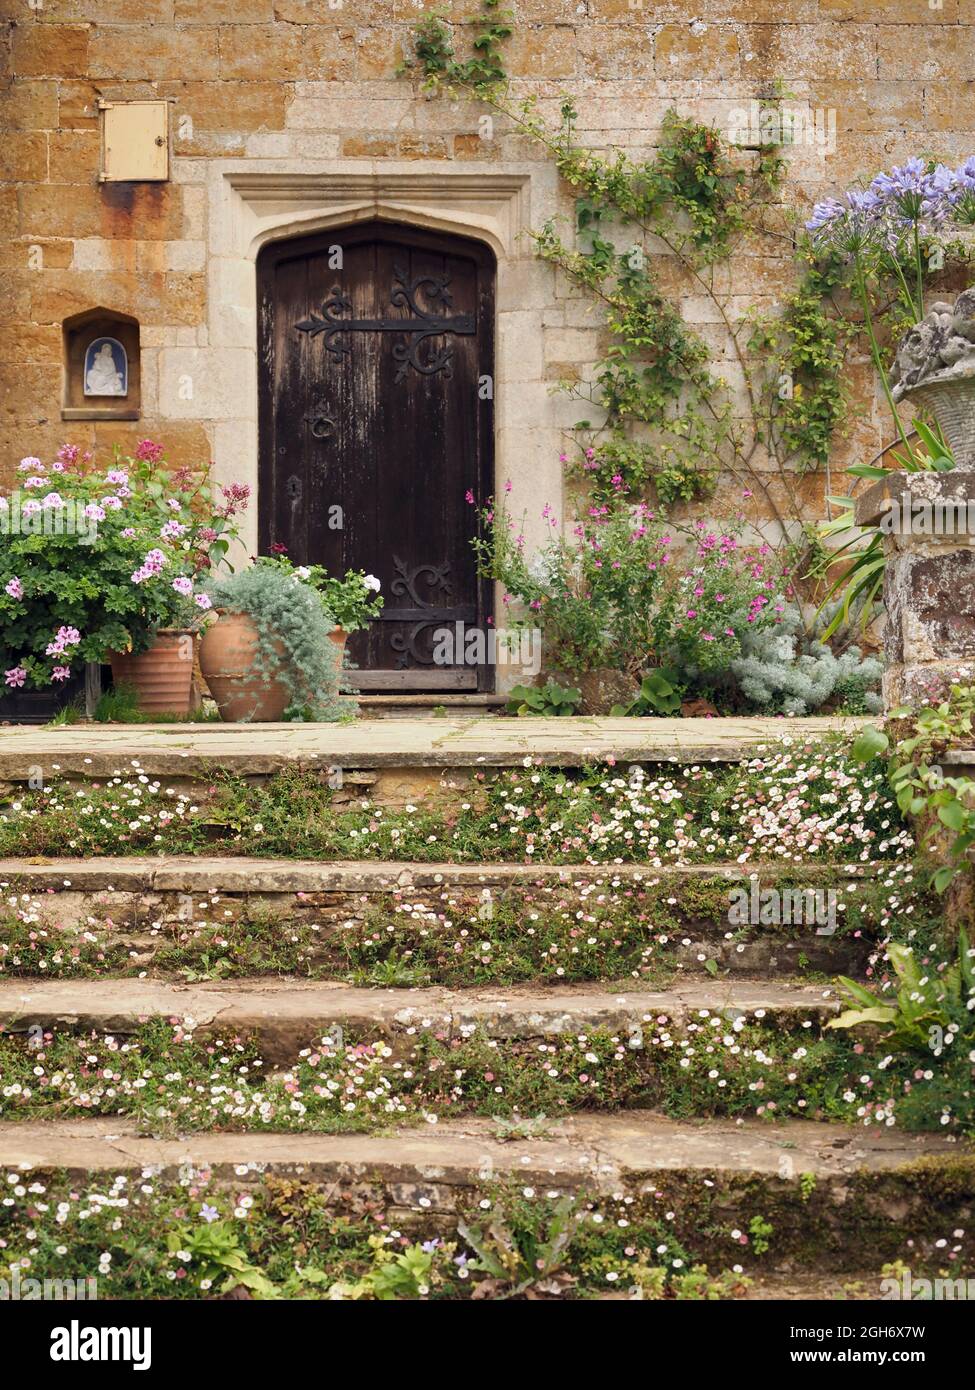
[[102, 375]]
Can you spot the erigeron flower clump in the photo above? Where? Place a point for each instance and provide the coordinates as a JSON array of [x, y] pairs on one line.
[[793, 805]]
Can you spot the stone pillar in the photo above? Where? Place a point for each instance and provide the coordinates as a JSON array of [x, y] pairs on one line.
[[928, 525]]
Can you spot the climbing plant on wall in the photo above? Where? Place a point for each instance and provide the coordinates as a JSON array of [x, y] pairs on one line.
[[666, 416]]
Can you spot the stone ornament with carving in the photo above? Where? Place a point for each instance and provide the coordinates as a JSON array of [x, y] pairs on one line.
[[939, 348], [935, 364], [106, 368]]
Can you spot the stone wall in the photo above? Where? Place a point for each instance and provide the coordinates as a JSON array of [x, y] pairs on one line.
[[289, 115]]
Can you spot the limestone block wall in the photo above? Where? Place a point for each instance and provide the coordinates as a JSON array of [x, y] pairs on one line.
[[289, 115]]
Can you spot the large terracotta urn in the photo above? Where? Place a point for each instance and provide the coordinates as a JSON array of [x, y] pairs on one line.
[[161, 677], [228, 660]]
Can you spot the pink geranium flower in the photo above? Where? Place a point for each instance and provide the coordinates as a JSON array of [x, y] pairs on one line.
[[65, 637]]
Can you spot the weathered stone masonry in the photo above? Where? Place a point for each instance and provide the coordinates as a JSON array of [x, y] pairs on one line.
[[289, 115]]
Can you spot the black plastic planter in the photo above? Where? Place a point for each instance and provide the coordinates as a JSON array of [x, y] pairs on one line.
[[40, 706]]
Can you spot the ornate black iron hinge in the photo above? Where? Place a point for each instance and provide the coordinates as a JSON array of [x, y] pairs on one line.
[[425, 322], [423, 610]]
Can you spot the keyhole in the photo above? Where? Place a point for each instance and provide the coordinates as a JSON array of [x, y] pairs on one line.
[[293, 488]]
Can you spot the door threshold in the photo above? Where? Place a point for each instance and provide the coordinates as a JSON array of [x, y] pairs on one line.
[[413, 705]]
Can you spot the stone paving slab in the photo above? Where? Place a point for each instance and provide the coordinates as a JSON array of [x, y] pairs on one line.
[[286, 1015], [229, 875], [181, 750], [579, 1148]]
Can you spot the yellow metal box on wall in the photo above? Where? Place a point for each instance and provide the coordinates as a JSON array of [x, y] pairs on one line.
[[135, 141]]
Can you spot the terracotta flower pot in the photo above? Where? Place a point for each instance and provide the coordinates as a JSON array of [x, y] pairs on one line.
[[339, 636], [228, 660], [162, 677]]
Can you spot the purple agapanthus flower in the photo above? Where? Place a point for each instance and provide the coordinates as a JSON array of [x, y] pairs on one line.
[[912, 193], [963, 197], [848, 224]]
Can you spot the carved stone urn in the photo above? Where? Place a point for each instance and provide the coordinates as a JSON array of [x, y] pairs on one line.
[[935, 366], [926, 518]]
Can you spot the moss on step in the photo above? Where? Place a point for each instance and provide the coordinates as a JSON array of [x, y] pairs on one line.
[[910, 1212], [284, 1238], [202, 1231]]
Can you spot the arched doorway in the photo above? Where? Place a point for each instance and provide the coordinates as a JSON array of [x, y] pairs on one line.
[[376, 377]]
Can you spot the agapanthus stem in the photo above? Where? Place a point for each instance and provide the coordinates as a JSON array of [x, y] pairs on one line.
[[920, 274], [864, 294]]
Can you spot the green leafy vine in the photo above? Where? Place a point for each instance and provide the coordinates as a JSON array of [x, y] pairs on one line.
[[667, 417]]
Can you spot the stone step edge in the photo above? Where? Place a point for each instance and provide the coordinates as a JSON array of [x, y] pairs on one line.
[[188, 751], [584, 1149], [284, 1015], [247, 874]]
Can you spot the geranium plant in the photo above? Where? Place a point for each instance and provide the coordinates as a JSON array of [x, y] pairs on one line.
[[351, 602], [97, 560]]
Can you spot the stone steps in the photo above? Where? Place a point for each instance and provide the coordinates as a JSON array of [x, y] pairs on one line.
[[831, 1193], [145, 902], [606, 1147], [438, 706], [284, 1015]]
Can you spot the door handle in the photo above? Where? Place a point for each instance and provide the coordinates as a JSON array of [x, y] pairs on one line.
[[321, 426]]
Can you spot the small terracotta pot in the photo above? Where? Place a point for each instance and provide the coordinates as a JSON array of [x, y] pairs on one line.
[[698, 709], [339, 636], [228, 653], [162, 677]]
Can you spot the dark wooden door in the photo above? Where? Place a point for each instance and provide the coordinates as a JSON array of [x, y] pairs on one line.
[[372, 433]]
